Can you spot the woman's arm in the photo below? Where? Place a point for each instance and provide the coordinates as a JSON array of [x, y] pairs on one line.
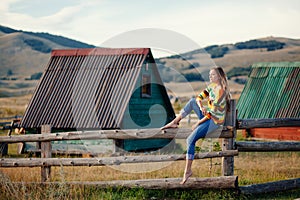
[[200, 121], [202, 108], [199, 99]]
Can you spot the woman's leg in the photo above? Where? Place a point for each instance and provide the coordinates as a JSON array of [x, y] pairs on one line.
[[187, 171], [191, 106], [199, 132], [188, 108]]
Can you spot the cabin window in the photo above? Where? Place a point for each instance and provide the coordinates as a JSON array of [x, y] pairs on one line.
[[146, 85]]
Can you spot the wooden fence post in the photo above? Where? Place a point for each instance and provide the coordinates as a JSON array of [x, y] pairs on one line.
[[3, 148], [46, 152], [227, 143]]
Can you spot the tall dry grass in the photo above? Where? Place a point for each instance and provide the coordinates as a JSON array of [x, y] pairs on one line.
[[250, 167]]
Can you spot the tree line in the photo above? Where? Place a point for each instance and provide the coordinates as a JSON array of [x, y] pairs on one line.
[[271, 45]]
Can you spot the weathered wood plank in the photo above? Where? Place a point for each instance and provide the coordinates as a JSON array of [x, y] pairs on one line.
[[3, 148], [46, 152], [267, 146], [267, 123], [227, 143], [271, 187], [101, 161], [227, 162], [178, 133], [222, 182]]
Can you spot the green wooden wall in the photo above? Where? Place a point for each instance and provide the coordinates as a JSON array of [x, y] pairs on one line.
[[147, 112]]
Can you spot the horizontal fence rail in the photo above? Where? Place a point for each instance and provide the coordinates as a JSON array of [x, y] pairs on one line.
[[223, 182], [101, 161], [180, 133], [267, 146], [267, 123], [277, 186]]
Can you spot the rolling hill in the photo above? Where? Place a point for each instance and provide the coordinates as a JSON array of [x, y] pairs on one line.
[[23, 54], [234, 60]]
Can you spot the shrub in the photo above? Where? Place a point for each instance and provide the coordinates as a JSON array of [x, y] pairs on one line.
[[9, 72], [194, 65], [36, 76], [193, 77], [240, 80], [38, 45], [216, 51], [238, 71], [255, 44]]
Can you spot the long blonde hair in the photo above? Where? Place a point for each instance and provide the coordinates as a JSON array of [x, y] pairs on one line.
[[224, 84]]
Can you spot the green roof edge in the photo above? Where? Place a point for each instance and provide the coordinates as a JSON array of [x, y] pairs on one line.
[[276, 64]]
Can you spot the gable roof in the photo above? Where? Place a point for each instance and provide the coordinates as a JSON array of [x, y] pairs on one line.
[[87, 88], [271, 91]]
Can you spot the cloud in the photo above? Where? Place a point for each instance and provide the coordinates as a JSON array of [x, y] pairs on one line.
[[206, 22]]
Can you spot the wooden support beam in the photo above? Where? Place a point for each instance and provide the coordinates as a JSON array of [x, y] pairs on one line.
[[101, 161], [276, 186], [223, 182], [267, 146], [267, 123], [227, 143], [3, 148], [177, 133], [46, 152]]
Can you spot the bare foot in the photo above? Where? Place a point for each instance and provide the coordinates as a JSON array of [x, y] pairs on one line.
[[186, 176], [172, 124]]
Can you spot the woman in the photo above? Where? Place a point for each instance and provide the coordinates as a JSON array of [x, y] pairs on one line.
[[210, 119]]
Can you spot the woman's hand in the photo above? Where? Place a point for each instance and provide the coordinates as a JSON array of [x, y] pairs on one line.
[[204, 111]]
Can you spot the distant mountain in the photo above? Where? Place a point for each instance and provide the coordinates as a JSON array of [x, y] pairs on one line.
[[23, 53], [236, 58], [60, 40]]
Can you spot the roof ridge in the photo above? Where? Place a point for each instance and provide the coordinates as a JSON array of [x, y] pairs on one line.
[[99, 51]]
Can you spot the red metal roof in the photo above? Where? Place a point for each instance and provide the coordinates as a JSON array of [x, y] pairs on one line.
[[100, 51], [86, 88]]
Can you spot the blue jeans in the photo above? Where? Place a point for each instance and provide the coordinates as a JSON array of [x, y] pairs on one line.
[[201, 131]]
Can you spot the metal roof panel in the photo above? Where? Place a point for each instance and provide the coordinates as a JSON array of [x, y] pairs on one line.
[[271, 91], [85, 88]]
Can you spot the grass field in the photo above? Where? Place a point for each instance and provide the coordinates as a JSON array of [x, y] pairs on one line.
[[252, 168]]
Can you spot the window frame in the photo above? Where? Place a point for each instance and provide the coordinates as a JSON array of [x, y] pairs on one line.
[[146, 90]]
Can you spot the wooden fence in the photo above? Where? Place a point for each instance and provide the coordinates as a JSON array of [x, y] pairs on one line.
[[9, 123], [46, 160], [230, 148]]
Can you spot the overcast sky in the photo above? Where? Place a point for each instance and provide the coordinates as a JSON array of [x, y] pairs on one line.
[[204, 22]]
